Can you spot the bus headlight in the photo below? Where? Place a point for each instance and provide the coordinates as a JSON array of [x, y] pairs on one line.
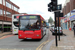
[[20, 35], [37, 35]]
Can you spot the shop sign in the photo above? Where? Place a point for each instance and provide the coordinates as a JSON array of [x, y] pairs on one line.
[[72, 17], [68, 19], [65, 20], [62, 21]]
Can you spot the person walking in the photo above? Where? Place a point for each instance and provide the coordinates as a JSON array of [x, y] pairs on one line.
[[74, 29]]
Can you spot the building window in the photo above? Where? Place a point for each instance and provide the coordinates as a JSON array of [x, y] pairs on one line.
[[0, 1], [4, 13], [65, 16], [16, 9], [1, 13], [4, 2], [8, 5], [12, 7], [68, 14], [8, 14]]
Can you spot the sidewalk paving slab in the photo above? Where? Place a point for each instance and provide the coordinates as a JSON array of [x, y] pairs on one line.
[[66, 42], [5, 33]]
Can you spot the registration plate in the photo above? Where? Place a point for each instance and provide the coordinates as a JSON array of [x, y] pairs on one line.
[[29, 38]]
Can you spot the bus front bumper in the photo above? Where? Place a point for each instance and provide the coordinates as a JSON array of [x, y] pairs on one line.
[[33, 37]]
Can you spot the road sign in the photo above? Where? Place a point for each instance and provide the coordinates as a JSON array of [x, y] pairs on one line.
[[58, 14]]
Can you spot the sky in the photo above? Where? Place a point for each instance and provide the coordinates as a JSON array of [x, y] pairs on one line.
[[36, 7]]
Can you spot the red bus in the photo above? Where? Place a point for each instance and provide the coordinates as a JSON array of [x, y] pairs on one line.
[[31, 27]]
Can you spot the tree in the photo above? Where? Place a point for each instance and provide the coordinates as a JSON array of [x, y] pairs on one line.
[[50, 20]]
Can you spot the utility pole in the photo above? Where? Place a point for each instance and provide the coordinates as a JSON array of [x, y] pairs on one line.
[[58, 25], [55, 5]]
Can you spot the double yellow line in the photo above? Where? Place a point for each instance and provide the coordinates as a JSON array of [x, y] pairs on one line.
[[40, 47]]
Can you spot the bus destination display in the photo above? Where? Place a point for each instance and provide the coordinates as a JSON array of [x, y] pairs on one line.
[[28, 17]]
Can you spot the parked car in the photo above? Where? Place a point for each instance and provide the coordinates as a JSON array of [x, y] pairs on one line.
[[60, 30], [51, 28]]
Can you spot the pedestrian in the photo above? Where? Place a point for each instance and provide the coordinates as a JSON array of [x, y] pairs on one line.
[[74, 29]]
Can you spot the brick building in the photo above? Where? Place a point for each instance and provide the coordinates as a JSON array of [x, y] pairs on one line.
[[7, 8], [69, 14]]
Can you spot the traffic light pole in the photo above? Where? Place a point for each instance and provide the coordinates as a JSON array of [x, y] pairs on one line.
[[58, 26], [55, 31], [53, 6]]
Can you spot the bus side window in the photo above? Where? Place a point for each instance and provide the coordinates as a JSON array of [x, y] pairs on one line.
[[44, 24]]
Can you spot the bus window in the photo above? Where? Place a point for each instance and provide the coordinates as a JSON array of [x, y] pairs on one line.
[[14, 17], [44, 23], [16, 24]]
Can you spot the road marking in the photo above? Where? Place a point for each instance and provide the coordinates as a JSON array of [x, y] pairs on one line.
[[6, 36], [40, 47], [50, 43], [11, 49]]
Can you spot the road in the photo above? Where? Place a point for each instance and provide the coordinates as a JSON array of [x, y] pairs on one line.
[[13, 42]]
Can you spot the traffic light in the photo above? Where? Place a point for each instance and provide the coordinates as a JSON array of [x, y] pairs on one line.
[[53, 5], [50, 7]]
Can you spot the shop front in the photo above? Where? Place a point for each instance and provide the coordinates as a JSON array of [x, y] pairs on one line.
[[72, 19], [68, 23], [0, 26], [6, 26], [65, 20], [62, 24]]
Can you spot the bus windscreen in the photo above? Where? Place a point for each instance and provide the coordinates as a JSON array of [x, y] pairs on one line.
[[29, 23]]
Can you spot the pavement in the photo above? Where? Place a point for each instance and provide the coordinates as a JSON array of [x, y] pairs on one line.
[[66, 42], [5, 33]]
